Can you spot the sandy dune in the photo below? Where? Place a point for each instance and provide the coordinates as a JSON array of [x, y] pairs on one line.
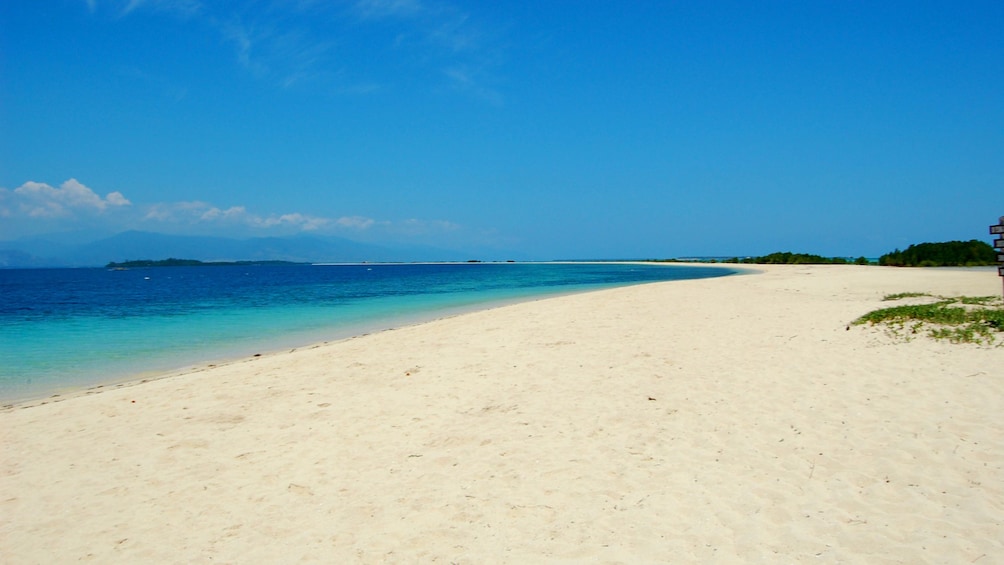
[[729, 420]]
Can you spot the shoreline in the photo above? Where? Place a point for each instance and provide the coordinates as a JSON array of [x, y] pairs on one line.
[[316, 338], [68, 381], [732, 418], [136, 379]]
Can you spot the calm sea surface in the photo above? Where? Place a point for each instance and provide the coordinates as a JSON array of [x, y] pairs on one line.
[[71, 328]]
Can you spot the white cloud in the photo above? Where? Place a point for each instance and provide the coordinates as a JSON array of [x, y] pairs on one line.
[[37, 208], [355, 222], [414, 227], [205, 217], [116, 199], [232, 213], [40, 200], [199, 213], [301, 221], [178, 212]]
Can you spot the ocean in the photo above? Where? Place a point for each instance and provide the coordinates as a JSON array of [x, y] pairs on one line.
[[63, 329]]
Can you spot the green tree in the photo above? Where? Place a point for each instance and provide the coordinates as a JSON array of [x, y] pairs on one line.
[[945, 254]]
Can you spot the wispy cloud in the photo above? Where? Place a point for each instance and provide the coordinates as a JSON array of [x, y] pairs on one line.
[[434, 25], [293, 43], [132, 5], [377, 9], [180, 7], [206, 215], [470, 80], [456, 33], [242, 38], [286, 54], [416, 227], [164, 86]]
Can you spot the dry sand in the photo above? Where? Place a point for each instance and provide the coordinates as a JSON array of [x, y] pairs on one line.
[[730, 420]]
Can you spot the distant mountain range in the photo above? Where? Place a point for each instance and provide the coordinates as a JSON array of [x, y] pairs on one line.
[[58, 251]]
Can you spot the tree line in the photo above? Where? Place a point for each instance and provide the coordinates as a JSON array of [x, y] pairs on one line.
[[972, 253]]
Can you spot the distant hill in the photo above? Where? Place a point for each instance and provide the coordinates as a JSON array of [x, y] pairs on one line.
[[972, 253], [145, 245], [17, 258], [136, 245], [172, 262]]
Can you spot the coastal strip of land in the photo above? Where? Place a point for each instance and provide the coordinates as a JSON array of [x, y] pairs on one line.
[[736, 419]]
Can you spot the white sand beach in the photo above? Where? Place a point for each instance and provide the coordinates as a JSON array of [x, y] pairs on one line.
[[727, 420]]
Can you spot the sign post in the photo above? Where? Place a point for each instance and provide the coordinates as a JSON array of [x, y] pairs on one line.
[[998, 230]]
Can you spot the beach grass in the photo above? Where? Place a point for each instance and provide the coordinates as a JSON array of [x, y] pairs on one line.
[[963, 319], [900, 295]]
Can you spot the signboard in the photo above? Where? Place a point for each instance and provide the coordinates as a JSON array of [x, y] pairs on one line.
[[998, 230]]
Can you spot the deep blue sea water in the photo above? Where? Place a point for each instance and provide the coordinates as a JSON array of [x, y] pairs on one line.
[[73, 328]]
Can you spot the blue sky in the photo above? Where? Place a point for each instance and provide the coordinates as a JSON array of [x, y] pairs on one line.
[[561, 129]]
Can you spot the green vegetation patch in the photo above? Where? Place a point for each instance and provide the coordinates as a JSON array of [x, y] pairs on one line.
[[778, 258], [789, 258], [982, 300], [904, 295], [972, 253], [965, 319]]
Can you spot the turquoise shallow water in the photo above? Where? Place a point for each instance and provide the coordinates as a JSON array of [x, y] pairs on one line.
[[72, 328]]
